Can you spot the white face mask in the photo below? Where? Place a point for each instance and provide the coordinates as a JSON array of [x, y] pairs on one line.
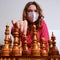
[[33, 15]]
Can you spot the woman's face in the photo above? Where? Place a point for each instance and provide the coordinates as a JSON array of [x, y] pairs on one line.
[[31, 8]]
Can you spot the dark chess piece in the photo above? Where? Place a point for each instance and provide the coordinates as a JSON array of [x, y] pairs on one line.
[[35, 48], [44, 51], [16, 48], [6, 49]]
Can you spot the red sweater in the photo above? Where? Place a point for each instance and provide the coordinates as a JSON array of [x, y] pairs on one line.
[[40, 33]]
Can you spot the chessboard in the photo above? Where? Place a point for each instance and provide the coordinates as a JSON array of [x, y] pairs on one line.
[[19, 50]]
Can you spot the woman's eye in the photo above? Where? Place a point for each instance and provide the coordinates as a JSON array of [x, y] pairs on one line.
[[32, 10], [29, 10], [35, 10]]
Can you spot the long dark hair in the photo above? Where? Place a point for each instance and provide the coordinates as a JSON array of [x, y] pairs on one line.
[[39, 10]]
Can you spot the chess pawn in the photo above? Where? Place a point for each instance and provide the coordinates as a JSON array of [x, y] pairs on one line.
[[25, 51], [44, 51], [6, 49], [16, 49], [35, 48], [54, 49]]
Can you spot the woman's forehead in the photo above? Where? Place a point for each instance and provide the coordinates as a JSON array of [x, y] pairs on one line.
[[33, 7]]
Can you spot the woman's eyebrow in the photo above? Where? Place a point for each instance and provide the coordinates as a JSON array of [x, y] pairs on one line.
[[29, 10]]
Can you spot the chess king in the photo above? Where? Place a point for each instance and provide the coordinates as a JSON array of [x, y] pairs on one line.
[[32, 15]]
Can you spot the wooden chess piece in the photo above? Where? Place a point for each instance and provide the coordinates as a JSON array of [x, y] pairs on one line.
[[50, 47], [6, 49], [35, 49], [16, 49], [25, 51], [10, 41], [20, 46], [20, 43], [43, 43], [10, 45], [54, 48]]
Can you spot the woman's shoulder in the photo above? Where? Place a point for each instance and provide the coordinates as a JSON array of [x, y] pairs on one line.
[[43, 22]]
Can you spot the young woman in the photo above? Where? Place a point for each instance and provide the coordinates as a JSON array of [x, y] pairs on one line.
[[32, 14]]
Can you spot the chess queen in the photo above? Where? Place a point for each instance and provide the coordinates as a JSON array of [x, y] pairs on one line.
[[32, 15]]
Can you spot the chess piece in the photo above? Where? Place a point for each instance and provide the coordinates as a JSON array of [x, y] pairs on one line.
[[43, 43], [10, 41], [20, 45], [6, 49], [35, 48], [16, 49], [54, 48], [25, 47], [50, 47], [10, 45]]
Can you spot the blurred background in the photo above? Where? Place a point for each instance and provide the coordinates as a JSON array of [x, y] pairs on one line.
[[12, 10]]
